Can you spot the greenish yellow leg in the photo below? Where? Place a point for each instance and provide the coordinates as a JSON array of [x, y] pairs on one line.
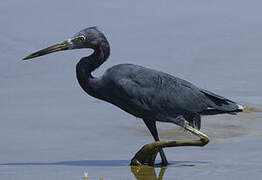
[[147, 154]]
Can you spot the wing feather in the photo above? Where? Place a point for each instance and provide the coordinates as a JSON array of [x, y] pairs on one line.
[[161, 92]]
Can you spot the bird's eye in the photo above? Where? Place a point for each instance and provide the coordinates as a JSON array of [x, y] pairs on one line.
[[80, 39]]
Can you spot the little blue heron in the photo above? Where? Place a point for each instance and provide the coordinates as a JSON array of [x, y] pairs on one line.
[[145, 93]]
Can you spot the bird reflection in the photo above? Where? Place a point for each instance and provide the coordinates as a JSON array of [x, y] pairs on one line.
[[147, 172]]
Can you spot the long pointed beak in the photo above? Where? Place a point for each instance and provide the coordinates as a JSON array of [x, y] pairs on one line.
[[55, 48]]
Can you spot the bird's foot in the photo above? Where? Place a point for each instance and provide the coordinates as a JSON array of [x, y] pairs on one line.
[[146, 155]]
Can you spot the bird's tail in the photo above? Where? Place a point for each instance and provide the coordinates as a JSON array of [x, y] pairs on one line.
[[220, 105]]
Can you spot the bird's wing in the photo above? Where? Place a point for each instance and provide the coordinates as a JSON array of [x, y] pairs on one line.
[[143, 90], [161, 92]]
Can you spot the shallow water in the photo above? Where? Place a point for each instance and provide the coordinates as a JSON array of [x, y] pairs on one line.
[[50, 129]]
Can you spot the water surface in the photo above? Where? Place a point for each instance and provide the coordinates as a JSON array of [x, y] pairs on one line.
[[50, 129]]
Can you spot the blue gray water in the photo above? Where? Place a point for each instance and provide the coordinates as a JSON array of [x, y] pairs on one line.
[[50, 129]]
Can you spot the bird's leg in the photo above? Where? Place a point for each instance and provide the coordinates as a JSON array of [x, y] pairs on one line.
[[151, 125], [147, 154]]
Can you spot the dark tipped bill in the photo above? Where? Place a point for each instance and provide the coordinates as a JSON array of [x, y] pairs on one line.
[[51, 49]]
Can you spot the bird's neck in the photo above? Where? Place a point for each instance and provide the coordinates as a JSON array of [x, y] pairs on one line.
[[87, 65]]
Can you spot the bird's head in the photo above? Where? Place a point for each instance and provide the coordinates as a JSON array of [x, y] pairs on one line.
[[87, 38]]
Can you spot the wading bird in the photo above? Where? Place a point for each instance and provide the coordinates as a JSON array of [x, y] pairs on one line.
[[145, 93]]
